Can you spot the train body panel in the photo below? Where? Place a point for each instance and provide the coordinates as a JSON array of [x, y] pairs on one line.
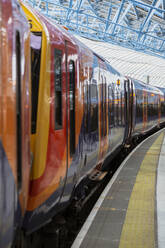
[[14, 118]]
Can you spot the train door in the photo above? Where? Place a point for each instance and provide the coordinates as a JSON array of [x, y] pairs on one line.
[[70, 95], [70, 128], [131, 105]]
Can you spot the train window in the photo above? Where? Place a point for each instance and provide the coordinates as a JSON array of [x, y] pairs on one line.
[[72, 106], [117, 108], [86, 105], [93, 106], [18, 110], [150, 107], [139, 106], [58, 88], [36, 38], [111, 106]]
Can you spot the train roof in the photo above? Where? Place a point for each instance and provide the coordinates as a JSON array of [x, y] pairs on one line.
[[162, 89], [141, 85]]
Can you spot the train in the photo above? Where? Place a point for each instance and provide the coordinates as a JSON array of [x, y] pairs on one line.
[[65, 113]]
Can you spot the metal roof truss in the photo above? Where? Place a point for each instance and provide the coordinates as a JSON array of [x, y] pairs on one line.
[[131, 23]]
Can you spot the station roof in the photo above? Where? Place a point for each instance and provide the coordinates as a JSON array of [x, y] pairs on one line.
[[137, 24]]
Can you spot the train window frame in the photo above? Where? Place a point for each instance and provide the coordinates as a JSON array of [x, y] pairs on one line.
[[58, 120]]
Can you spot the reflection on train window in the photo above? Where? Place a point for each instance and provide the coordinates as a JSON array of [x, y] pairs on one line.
[[18, 110], [36, 38], [72, 106], [111, 106], [123, 108], [58, 89], [86, 106], [139, 106], [93, 106], [117, 109]]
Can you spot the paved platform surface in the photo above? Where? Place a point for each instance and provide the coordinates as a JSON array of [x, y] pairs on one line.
[[130, 213]]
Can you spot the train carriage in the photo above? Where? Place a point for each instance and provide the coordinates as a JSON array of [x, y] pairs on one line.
[[14, 118], [73, 94], [162, 105], [54, 92], [147, 108]]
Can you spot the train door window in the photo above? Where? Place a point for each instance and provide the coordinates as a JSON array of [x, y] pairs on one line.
[[58, 89], [72, 106], [93, 106], [36, 38], [18, 110]]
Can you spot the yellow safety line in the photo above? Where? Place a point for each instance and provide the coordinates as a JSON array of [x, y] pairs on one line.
[[138, 229]]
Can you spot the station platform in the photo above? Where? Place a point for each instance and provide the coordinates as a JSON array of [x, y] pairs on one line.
[[130, 213]]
